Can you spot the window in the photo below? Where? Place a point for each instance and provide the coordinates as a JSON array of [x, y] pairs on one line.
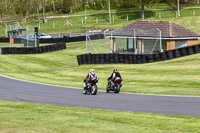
[[124, 45], [120, 44], [150, 46], [180, 43]]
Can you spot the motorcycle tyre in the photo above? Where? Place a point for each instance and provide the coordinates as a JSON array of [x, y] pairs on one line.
[[94, 90], [84, 91], [117, 88], [107, 89]]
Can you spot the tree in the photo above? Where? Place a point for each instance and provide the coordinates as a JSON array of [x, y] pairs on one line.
[[44, 11], [142, 9], [1, 17], [178, 8], [110, 21]]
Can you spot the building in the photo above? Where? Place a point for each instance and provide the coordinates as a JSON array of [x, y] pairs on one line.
[[143, 37]]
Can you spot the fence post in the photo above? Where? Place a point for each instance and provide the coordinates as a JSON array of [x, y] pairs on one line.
[[53, 25], [159, 15], [96, 20], [127, 18], [193, 13]]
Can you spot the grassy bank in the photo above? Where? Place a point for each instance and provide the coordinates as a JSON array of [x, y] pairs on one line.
[[36, 118], [101, 21], [174, 77]]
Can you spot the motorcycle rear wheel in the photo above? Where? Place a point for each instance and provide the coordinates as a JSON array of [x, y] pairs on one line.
[[117, 89]]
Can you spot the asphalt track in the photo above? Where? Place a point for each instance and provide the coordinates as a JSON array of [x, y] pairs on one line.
[[18, 90]]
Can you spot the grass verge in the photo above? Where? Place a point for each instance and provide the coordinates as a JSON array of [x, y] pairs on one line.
[[31, 117]]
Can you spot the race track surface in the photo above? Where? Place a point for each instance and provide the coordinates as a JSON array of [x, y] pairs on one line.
[[16, 90]]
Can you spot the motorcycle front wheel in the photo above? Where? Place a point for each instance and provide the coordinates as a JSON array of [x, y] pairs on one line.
[[107, 89], [94, 90], [84, 91]]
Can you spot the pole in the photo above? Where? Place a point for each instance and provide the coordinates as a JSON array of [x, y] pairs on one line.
[[110, 21], [135, 42], [160, 39], [111, 43], [86, 42], [85, 14]]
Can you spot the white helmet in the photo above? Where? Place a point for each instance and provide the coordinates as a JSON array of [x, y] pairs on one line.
[[92, 71]]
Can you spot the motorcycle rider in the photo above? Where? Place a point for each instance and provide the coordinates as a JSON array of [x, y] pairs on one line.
[[89, 76], [113, 76]]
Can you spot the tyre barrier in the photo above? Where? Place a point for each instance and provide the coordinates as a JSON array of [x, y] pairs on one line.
[[57, 40], [116, 58], [170, 54], [33, 50]]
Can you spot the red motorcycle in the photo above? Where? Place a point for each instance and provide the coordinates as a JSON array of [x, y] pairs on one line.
[[114, 86]]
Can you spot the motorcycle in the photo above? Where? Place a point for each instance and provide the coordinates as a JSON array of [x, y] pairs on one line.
[[91, 87], [114, 86]]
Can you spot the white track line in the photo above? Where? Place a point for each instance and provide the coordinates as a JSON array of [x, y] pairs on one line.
[[98, 90]]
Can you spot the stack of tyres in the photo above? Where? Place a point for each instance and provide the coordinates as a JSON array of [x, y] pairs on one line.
[[116, 57], [83, 59], [34, 50], [44, 49], [190, 50], [150, 58], [111, 58], [121, 58], [37, 50], [125, 58], [3, 50], [196, 48], [58, 46], [31, 50], [157, 57], [101, 58], [23, 50], [79, 60], [54, 47], [183, 51], [143, 58], [134, 58], [138, 59], [40, 50], [19, 50], [97, 60], [88, 58], [130, 59], [170, 54], [106, 56], [93, 59], [48, 48], [163, 56], [51, 48], [177, 53], [10, 50], [64, 46]]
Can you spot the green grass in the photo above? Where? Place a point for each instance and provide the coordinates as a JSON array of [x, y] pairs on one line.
[[22, 117], [174, 77], [120, 19]]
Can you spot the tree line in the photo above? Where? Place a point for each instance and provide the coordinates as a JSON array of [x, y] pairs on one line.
[[25, 8]]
